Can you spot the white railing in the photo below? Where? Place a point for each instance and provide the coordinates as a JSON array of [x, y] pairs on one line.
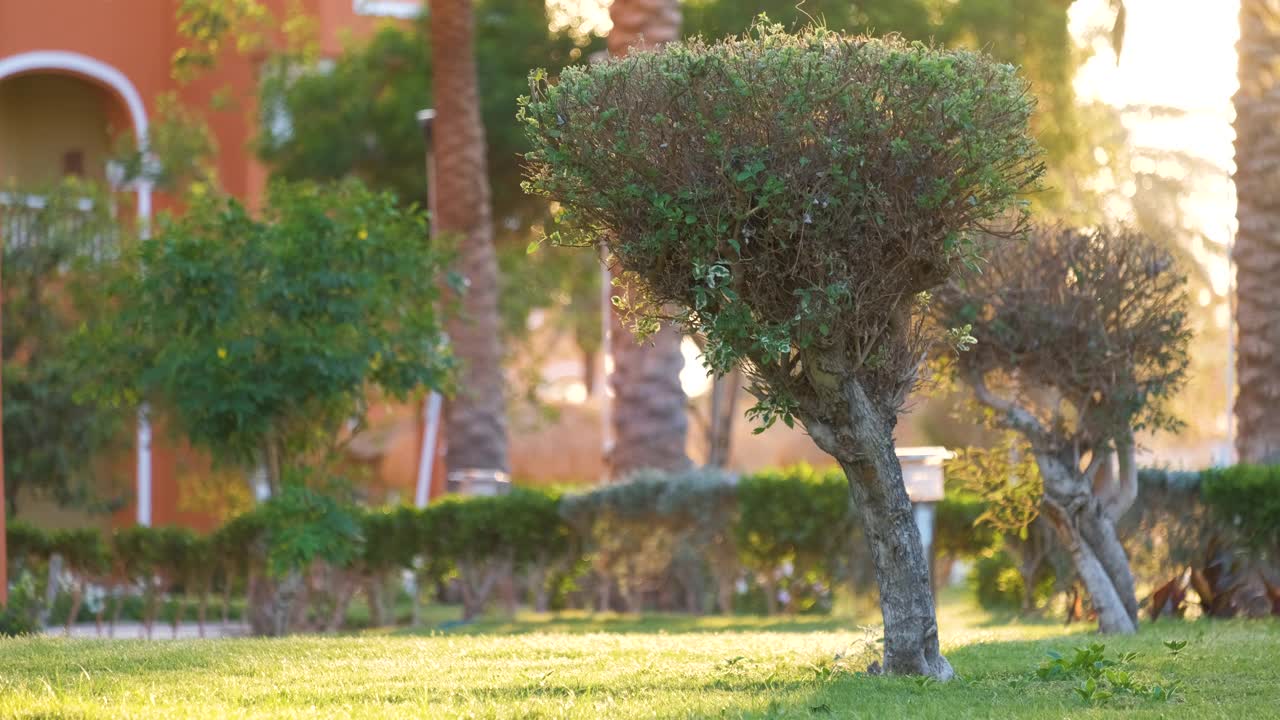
[[23, 223]]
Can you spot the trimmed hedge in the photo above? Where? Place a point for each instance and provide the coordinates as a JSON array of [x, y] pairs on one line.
[[792, 534]]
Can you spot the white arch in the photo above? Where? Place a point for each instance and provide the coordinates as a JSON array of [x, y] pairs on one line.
[[88, 67]]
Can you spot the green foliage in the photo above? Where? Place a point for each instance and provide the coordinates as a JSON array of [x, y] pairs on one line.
[[83, 551], [793, 223], [179, 152], [958, 528], [358, 117], [301, 526], [533, 527], [1102, 678], [998, 584], [1246, 497], [16, 621], [262, 335], [1093, 323], [1005, 478], [24, 543], [52, 281], [799, 518]]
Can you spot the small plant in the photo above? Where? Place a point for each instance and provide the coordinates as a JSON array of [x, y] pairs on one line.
[[1092, 692], [1089, 662], [1175, 646], [1103, 678], [1165, 693]]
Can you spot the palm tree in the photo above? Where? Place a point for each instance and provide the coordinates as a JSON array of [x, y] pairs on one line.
[[476, 424], [1257, 248], [650, 421]]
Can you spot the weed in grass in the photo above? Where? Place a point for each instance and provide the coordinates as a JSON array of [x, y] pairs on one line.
[[1103, 678]]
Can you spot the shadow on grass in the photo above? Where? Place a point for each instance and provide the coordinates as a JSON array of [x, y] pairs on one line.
[[649, 623]]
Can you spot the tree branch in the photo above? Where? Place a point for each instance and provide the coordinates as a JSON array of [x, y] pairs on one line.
[[1015, 416]]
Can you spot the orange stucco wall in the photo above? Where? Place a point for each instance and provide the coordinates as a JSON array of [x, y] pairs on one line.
[[138, 38]]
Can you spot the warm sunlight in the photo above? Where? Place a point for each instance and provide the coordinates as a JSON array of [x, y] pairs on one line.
[[1174, 82]]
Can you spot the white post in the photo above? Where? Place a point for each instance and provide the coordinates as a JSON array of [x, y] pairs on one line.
[[144, 467], [144, 422], [427, 459], [606, 360]]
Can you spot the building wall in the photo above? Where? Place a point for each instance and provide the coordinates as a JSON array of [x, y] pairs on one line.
[[42, 110]]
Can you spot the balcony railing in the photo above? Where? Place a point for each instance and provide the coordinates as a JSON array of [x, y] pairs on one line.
[[25, 222]]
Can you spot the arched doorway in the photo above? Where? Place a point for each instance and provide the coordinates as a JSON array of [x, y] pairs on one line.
[[58, 110]]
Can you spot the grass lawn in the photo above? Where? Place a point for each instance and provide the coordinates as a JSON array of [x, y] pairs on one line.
[[618, 667]]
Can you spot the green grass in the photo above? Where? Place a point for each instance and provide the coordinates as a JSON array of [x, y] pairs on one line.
[[620, 667]]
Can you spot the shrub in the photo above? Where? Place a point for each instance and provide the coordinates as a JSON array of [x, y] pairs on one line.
[[262, 333], [794, 198], [659, 528], [1081, 342], [1246, 497], [998, 583], [795, 527]]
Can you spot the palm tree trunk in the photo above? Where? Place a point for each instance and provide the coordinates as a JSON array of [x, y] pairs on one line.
[[1257, 246], [650, 422], [475, 424]]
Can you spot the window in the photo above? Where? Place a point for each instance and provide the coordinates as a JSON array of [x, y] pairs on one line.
[[407, 9]]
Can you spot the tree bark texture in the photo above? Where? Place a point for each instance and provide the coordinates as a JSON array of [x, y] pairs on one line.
[[1085, 526], [476, 423], [650, 414], [863, 445], [1257, 244]]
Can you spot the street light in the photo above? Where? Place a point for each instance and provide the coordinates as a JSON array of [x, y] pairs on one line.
[[432, 407], [465, 481]]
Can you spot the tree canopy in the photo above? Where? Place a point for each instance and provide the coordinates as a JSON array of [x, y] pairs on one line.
[[261, 335]]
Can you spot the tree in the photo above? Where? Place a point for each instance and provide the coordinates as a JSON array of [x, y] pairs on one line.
[[261, 336], [794, 197], [53, 249], [1081, 341], [476, 421], [373, 92], [649, 411], [1257, 254]]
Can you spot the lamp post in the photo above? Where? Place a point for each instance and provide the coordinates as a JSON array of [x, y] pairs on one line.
[[431, 409]]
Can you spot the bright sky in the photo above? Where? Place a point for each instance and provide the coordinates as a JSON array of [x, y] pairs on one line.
[[1180, 54]]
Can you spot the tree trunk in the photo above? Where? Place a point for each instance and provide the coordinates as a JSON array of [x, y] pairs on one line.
[[419, 589], [178, 612], [537, 578], [373, 591], [152, 608], [77, 596], [724, 410], [342, 600], [1257, 244], [863, 445], [202, 610], [770, 586], [475, 423], [116, 610], [226, 601], [906, 596], [724, 594], [477, 584], [650, 413], [1088, 534]]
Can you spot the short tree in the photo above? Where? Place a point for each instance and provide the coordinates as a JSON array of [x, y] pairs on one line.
[[795, 196], [261, 336], [1081, 341]]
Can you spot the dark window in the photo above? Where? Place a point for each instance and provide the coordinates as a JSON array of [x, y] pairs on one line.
[[73, 163]]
